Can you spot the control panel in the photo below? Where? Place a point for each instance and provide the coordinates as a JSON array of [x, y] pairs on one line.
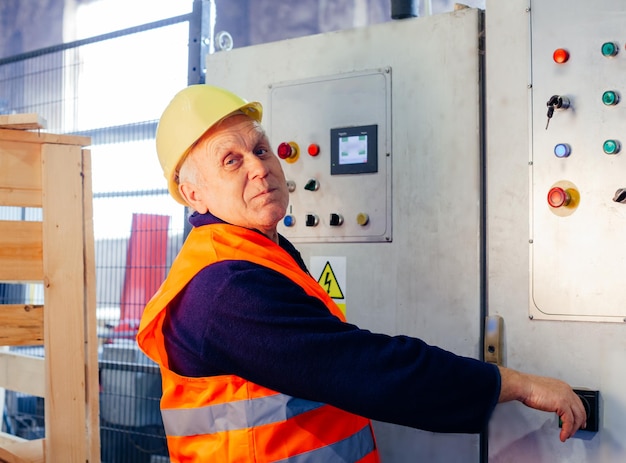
[[577, 161], [333, 135]]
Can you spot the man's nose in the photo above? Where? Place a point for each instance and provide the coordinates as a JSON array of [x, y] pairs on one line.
[[257, 167]]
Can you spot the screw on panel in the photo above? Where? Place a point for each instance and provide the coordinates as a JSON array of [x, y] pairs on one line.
[[530, 317], [530, 241]]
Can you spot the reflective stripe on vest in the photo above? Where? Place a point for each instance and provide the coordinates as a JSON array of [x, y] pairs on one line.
[[231, 416], [353, 448], [243, 414]]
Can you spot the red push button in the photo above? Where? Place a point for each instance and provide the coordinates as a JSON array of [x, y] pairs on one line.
[[558, 197], [284, 150], [560, 55], [313, 149], [289, 151]]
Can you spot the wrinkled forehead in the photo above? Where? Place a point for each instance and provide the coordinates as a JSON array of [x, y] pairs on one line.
[[236, 130], [238, 124]]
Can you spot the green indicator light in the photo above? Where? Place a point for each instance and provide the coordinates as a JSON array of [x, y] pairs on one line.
[[609, 49], [611, 147], [610, 98]]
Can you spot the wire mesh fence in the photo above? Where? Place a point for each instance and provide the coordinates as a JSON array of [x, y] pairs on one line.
[[110, 88]]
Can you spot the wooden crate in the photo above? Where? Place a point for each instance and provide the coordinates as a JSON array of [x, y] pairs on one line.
[[51, 172]]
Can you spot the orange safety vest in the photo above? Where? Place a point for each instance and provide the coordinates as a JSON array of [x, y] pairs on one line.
[[226, 419]]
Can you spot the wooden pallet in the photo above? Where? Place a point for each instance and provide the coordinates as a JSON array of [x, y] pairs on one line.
[[22, 121], [51, 172]]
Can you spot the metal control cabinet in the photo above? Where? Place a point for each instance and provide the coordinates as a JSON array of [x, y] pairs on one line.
[[572, 292], [578, 207], [416, 269]]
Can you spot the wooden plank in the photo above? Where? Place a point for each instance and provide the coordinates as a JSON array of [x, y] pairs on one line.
[[20, 198], [26, 451], [6, 438], [91, 319], [20, 173], [22, 373], [22, 325], [43, 138], [64, 296], [21, 251], [22, 121]]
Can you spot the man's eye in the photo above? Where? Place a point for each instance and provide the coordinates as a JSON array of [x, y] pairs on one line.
[[260, 151]]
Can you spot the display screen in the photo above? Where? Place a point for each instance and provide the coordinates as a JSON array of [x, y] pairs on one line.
[[354, 150]]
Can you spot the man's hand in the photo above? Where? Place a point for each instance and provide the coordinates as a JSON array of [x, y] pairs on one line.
[[546, 394]]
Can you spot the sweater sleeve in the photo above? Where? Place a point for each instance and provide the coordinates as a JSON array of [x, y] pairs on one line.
[[239, 318]]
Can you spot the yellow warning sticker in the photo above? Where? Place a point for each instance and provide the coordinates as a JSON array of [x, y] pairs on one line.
[[328, 281]]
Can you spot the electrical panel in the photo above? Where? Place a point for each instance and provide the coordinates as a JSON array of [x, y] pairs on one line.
[[577, 161], [333, 136]]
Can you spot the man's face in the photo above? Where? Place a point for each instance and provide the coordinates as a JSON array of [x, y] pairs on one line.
[[240, 180]]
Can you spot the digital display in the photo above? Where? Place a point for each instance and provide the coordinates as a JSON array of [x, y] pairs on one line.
[[354, 150]]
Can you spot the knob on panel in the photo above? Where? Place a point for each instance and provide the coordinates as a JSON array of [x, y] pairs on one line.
[[312, 185], [311, 220], [335, 220]]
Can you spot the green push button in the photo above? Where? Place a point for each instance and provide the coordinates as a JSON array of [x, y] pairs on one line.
[[609, 49], [610, 98], [611, 147]]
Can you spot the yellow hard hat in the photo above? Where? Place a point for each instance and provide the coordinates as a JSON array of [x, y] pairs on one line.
[[192, 112]]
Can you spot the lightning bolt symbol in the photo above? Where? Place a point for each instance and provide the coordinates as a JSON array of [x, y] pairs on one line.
[[327, 282]]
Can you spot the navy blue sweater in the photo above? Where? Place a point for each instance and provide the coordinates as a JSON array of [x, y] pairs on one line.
[[239, 318]]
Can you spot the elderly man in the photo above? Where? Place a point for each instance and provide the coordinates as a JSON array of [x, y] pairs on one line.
[[258, 363]]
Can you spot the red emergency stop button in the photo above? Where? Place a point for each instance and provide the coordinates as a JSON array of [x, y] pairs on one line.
[[289, 151], [558, 197], [284, 150]]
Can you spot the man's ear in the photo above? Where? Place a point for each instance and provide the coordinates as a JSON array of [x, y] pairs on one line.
[[191, 195]]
